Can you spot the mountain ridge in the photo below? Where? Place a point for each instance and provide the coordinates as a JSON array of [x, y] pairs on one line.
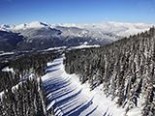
[[110, 26], [40, 35]]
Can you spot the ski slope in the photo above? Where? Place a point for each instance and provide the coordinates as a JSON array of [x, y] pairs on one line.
[[67, 97]]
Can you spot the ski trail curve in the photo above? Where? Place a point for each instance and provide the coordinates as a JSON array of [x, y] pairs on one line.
[[65, 94]]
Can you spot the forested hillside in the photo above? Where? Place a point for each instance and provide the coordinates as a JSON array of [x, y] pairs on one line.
[[125, 68], [20, 85]]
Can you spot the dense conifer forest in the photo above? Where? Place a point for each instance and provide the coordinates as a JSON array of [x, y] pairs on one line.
[[125, 68], [20, 85]]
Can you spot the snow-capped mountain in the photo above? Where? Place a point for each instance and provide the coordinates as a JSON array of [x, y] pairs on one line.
[[34, 25], [116, 28], [39, 35], [5, 27], [97, 30]]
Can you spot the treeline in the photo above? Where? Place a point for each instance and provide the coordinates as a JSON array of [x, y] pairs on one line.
[[22, 100], [126, 69], [20, 89]]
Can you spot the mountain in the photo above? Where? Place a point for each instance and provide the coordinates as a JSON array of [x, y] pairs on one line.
[[113, 28], [39, 35], [5, 27], [9, 41], [34, 25]]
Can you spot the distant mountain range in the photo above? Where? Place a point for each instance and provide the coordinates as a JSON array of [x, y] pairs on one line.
[[39, 35]]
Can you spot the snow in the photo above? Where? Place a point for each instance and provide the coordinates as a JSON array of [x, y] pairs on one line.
[[6, 53], [20, 26], [34, 24], [99, 30], [74, 47], [137, 110], [1, 94], [67, 96], [37, 24], [55, 48], [15, 87], [134, 112], [83, 46], [7, 69], [5, 27]]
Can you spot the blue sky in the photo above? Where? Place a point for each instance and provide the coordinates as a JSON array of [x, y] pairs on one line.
[[76, 11]]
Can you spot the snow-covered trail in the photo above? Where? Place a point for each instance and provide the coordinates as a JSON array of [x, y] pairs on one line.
[[69, 98]]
